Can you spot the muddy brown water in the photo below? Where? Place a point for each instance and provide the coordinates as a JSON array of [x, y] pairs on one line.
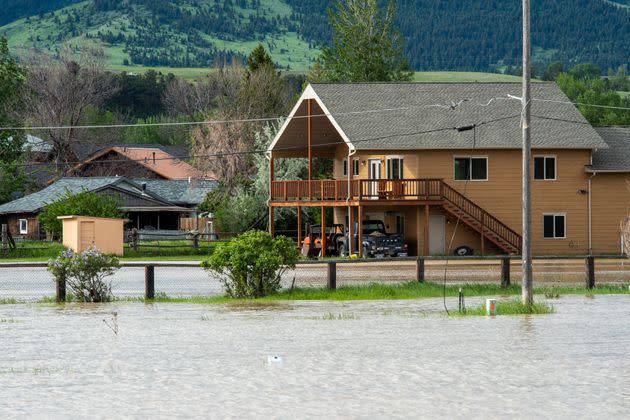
[[394, 359]]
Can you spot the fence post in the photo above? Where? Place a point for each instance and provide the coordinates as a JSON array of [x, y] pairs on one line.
[[149, 282], [196, 240], [332, 275], [420, 270], [134, 239], [60, 290], [590, 272], [505, 272], [5, 238]]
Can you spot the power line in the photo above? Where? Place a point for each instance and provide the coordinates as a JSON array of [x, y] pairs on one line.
[[289, 148]]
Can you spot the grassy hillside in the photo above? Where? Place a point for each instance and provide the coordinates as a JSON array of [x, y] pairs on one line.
[[479, 35], [166, 33]]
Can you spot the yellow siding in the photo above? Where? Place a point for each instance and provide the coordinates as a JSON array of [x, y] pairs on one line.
[[611, 204]]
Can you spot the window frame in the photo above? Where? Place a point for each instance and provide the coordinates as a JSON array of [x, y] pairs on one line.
[[389, 167], [555, 214], [471, 157], [555, 167], [25, 230], [356, 167]]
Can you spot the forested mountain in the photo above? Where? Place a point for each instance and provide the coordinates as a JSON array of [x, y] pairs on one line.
[[441, 34]]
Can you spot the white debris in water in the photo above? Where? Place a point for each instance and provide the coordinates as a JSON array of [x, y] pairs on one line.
[[274, 360]]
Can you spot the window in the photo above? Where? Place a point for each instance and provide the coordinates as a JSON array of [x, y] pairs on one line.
[[545, 168], [471, 168], [355, 167], [23, 226], [554, 226], [395, 168]]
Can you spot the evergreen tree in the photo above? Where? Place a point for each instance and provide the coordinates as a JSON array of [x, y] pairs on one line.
[[366, 46], [259, 57]]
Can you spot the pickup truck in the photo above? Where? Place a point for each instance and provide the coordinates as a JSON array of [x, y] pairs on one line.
[[376, 241]]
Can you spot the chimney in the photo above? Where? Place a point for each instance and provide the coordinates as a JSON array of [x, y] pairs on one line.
[[144, 187]]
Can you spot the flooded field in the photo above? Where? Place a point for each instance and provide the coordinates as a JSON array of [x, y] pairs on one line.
[[314, 359]]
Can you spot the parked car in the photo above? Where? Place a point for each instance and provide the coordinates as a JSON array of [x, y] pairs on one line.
[[376, 241]]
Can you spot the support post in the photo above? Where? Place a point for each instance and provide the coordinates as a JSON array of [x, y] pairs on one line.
[[272, 229], [590, 272], [299, 229], [350, 231], [505, 272], [360, 232], [60, 290], [527, 282], [149, 282], [310, 151], [418, 231], [331, 275], [420, 270], [426, 229], [483, 237], [323, 232], [134, 239]]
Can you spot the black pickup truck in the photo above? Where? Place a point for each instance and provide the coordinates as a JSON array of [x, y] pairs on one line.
[[377, 242]]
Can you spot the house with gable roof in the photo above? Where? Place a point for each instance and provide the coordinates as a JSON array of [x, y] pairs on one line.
[[440, 163]]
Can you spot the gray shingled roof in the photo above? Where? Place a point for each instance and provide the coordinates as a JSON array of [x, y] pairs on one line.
[[180, 192], [402, 129], [617, 157], [32, 203], [168, 191]]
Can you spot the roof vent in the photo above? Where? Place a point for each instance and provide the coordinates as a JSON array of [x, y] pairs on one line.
[[154, 158], [144, 187]]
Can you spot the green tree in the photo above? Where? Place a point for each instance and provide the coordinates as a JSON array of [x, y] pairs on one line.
[[251, 265], [81, 204], [366, 46], [585, 71], [259, 57], [12, 79], [553, 70]]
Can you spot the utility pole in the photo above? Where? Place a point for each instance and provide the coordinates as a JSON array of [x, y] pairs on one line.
[[527, 283]]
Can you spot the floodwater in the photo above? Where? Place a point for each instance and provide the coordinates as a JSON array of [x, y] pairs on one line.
[[314, 360]]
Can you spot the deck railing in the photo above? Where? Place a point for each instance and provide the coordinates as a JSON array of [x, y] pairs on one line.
[[337, 190]]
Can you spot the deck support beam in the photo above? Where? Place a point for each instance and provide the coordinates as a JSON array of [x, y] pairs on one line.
[[418, 232], [323, 232], [299, 227], [310, 149], [426, 229], [350, 230], [360, 232]]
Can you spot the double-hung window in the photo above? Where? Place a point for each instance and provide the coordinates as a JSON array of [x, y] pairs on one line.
[[355, 167], [554, 226], [545, 168], [395, 168], [23, 226], [471, 168]]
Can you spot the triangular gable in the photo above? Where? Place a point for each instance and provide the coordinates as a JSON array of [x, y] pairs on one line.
[[309, 93]]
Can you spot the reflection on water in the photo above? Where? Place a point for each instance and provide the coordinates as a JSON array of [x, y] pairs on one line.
[[315, 359]]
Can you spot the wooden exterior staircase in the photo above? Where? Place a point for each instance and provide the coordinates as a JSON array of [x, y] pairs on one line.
[[480, 221]]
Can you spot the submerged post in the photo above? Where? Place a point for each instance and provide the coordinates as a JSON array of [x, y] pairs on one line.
[[505, 272], [420, 270], [332, 275], [149, 282], [590, 272], [60, 290]]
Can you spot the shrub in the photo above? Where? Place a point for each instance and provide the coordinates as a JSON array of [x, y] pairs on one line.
[[251, 265], [81, 204], [85, 274]]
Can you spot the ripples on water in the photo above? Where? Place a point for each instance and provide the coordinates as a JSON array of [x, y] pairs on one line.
[[338, 359]]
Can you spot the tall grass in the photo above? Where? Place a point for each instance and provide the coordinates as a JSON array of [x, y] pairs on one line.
[[511, 307]]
